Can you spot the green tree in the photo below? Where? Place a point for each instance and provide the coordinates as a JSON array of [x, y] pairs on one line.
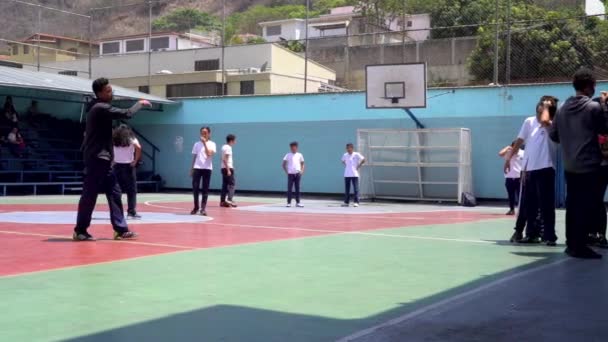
[[544, 45], [185, 19]]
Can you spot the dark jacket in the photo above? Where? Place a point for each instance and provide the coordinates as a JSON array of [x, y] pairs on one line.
[[576, 126], [98, 137]]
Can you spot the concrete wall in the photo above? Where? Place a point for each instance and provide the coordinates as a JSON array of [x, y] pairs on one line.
[[324, 123]]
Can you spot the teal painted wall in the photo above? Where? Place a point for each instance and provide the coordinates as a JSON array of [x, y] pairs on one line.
[[324, 123]]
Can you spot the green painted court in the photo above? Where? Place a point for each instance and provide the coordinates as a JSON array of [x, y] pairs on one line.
[[258, 273]]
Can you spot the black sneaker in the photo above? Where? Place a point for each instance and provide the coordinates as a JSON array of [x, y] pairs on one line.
[[530, 240], [82, 237], [194, 211], [516, 237], [510, 213], [203, 213], [551, 243], [583, 253], [125, 236], [134, 216], [233, 204]]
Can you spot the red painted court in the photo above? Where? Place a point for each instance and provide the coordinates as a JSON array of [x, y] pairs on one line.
[[49, 246]]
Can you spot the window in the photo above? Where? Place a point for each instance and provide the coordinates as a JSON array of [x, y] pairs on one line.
[[159, 43], [410, 23], [26, 49], [194, 89], [207, 65], [110, 48], [135, 45], [273, 30], [247, 87], [69, 73], [15, 50], [144, 89]]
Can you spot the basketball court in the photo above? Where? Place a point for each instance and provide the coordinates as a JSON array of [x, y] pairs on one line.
[[429, 270], [267, 273]]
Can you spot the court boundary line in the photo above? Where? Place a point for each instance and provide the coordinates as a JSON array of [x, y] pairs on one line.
[[329, 215], [358, 232], [451, 301], [131, 242]]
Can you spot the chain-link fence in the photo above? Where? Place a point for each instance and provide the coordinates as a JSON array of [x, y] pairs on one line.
[[179, 48]]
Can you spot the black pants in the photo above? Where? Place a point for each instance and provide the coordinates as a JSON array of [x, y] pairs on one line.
[[228, 185], [602, 219], [512, 185], [293, 182], [584, 201], [539, 193], [522, 214], [199, 175], [127, 179], [347, 182], [100, 178]]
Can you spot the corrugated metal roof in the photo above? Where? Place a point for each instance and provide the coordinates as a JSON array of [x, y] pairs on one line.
[[21, 78]]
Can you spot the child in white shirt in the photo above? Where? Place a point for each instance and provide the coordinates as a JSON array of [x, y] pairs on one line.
[[293, 165], [352, 163], [202, 167]]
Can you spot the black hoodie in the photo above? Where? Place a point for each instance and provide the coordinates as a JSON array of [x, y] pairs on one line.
[[98, 137], [576, 127]]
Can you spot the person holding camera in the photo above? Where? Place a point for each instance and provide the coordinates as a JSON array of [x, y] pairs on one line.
[[539, 172], [576, 127]]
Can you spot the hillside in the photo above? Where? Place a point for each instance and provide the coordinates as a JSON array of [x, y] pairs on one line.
[[20, 20]]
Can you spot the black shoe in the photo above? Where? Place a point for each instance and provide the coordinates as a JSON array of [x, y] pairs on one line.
[[516, 237], [551, 243], [133, 216], [530, 240], [583, 253], [82, 237], [233, 204], [194, 211], [203, 213], [510, 213], [125, 236], [602, 242]]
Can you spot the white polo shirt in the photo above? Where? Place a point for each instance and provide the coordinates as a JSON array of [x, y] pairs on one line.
[[516, 164], [227, 154], [203, 162], [294, 162], [125, 155], [352, 162], [539, 148]]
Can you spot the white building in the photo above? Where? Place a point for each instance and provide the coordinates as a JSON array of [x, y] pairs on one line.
[[167, 41], [342, 21]]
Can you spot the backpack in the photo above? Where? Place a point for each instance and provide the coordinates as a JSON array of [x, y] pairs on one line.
[[468, 200]]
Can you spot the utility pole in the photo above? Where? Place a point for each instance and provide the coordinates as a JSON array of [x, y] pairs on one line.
[[306, 48], [223, 47]]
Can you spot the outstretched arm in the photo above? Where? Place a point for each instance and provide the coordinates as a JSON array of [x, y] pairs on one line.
[[121, 113]]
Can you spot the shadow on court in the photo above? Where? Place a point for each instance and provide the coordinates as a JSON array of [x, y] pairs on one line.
[[565, 301]]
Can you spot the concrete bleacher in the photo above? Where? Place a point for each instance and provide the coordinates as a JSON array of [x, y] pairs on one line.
[[52, 162]]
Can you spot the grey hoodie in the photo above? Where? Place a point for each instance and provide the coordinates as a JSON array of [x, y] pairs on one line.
[[576, 127]]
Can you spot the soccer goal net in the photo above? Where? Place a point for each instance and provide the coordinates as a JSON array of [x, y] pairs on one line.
[[417, 164]]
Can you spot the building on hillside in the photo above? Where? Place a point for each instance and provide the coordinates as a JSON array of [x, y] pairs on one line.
[[590, 7], [260, 69], [346, 21], [52, 49], [160, 41]]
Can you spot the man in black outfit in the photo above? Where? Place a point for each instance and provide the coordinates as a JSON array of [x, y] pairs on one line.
[[576, 126], [98, 154]]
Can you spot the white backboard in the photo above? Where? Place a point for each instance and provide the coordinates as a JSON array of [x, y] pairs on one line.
[[396, 85]]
